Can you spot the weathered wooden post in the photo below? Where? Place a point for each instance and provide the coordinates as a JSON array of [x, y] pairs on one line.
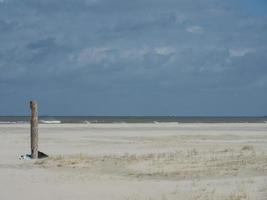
[[34, 129]]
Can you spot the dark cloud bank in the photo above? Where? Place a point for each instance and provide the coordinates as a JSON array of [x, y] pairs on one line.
[[143, 57]]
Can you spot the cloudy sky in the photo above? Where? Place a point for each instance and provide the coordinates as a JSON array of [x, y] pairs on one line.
[[141, 57]]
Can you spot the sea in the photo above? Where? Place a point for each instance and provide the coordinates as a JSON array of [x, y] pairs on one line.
[[129, 119]]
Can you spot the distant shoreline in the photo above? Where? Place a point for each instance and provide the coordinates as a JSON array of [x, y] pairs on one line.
[[129, 119]]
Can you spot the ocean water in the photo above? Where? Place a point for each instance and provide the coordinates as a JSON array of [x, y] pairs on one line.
[[130, 119]]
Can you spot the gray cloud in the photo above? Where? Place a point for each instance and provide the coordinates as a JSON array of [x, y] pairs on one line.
[[119, 53]]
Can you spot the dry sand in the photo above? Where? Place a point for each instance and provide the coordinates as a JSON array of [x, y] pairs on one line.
[[136, 161]]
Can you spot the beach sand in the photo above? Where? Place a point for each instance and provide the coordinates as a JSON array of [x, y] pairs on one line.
[[136, 161]]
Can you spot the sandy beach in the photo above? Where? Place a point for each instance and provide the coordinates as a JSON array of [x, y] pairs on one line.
[[136, 161]]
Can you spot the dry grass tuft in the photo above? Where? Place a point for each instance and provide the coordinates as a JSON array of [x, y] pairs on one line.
[[247, 148], [239, 196]]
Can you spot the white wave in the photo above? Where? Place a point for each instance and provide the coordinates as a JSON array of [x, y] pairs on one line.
[[50, 122], [7, 122], [22, 122]]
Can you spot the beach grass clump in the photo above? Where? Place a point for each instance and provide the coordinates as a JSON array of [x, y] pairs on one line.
[[247, 148], [239, 196], [175, 165]]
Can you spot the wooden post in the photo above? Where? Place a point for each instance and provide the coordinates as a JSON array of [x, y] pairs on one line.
[[34, 129]]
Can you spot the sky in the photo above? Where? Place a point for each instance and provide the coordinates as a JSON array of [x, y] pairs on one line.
[[142, 57]]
